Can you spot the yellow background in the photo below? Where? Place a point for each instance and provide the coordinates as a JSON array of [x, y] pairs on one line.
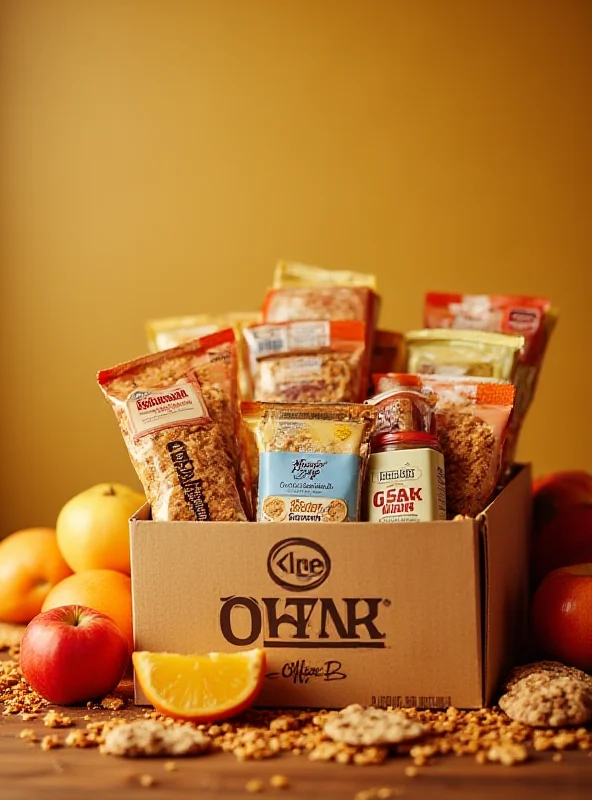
[[158, 157]]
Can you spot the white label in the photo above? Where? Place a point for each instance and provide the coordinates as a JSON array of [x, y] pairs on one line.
[[406, 486], [156, 409], [309, 335], [266, 340]]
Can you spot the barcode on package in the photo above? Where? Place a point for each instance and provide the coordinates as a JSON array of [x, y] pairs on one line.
[[266, 339]]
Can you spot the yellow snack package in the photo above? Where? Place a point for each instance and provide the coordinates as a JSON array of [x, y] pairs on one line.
[[448, 351], [291, 273], [311, 459]]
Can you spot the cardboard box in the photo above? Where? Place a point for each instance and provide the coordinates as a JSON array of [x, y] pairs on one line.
[[414, 614]]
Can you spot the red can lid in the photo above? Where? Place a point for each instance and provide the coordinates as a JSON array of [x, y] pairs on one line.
[[404, 437]]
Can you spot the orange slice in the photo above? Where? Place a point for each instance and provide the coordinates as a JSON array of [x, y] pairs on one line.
[[200, 688]]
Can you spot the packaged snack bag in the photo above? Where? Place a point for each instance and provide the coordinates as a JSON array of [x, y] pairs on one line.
[[169, 332], [311, 459], [290, 273], [531, 317], [388, 353], [307, 362], [326, 303], [463, 352], [177, 410]]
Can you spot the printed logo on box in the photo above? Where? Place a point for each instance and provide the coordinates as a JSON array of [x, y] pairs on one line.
[[301, 565], [298, 564]]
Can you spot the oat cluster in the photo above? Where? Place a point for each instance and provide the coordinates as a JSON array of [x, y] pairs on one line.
[[548, 694]]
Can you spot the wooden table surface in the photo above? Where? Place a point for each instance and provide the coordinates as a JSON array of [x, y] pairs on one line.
[[29, 773]]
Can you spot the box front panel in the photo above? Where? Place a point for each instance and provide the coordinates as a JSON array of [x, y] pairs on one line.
[[380, 615]]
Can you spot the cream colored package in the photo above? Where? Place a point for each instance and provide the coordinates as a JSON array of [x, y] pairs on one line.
[[291, 273], [463, 352]]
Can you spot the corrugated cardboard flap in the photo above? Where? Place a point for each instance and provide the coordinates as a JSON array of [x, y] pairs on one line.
[[505, 526]]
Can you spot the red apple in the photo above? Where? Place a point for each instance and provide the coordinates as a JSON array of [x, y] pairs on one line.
[[566, 539], [555, 493], [562, 616], [72, 654]]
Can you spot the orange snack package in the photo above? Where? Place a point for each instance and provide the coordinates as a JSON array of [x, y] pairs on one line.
[[317, 361], [178, 413]]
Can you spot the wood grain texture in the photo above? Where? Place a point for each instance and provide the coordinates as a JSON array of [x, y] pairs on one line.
[[29, 773]]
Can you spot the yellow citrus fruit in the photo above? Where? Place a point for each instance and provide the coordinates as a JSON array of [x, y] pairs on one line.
[[93, 527], [200, 688], [102, 589], [30, 565]]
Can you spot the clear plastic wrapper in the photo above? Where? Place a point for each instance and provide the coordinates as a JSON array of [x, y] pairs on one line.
[[307, 362], [178, 415]]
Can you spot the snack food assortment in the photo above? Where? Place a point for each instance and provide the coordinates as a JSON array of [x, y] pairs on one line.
[[374, 409]]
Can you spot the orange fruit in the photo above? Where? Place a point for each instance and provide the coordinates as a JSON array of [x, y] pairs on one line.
[[562, 616], [93, 527], [200, 688], [102, 589], [30, 564]]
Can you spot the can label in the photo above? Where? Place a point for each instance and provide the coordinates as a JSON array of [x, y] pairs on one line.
[[406, 486]]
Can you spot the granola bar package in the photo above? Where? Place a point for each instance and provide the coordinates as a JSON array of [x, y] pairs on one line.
[[530, 317], [472, 418], [463, 352], [291, 273], [169, 332], [307, 362], [177, 410], [311, 459]]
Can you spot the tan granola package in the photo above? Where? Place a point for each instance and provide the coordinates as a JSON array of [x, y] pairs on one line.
[[319, 361], [472, 418], [473, 353], [177, 410], [291, 273], [311, 459], [326, 299]]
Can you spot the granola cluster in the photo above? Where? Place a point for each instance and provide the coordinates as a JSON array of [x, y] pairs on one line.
[[549, 695]]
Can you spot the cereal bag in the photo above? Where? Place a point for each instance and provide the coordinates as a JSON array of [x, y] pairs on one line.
[[177, 410], [311, 459]]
